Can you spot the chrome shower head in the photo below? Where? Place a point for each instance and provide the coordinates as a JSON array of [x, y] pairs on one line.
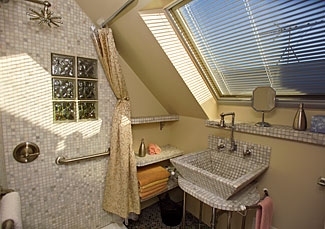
[[45, 16]]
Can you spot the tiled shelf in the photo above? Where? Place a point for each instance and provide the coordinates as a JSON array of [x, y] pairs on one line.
[[154, 119], [167, 152], [276, 131]]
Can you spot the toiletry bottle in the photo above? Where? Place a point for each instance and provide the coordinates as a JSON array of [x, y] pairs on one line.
[[300, 121], [142, 149]]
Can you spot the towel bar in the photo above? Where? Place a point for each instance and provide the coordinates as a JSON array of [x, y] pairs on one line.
[[62, 160], [255, 206]]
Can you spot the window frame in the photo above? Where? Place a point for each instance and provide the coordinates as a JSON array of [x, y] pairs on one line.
[[312, 101]]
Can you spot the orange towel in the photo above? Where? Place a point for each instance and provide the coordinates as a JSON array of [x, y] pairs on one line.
[[153, 192], [154, 149], [149, 188], [264, 215], [151, 173], [154, 183]]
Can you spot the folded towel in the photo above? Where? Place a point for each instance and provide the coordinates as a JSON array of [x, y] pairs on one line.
[[154, 183], [151, 173], [147, 189], [10, 208], [153, 192], [264, 215], [154, 149]]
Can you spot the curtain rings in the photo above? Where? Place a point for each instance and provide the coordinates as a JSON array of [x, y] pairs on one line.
[[124, 98]]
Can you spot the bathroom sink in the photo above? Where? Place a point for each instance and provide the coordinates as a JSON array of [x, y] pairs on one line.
[[218, 171]]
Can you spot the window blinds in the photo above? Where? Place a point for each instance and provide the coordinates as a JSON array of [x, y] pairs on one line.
[[251, 43]]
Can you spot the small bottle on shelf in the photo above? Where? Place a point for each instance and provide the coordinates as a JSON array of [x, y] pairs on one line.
[[300, 121], [142, 149]]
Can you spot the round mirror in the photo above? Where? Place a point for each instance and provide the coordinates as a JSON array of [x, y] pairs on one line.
[[263, 100]]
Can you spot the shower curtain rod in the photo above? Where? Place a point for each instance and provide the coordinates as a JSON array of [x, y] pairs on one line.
[[116, 13]]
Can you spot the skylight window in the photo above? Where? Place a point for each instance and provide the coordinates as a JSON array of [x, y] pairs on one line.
[[250, 43]]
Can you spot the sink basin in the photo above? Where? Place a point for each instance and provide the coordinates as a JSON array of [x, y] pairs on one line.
[[220, 172]]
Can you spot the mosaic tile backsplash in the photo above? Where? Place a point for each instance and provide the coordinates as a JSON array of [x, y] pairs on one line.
[[52, 196]]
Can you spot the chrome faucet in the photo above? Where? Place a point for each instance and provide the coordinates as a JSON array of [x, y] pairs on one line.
[[233, 146]]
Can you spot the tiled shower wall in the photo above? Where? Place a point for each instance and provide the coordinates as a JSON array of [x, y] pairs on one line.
[[52, 196]]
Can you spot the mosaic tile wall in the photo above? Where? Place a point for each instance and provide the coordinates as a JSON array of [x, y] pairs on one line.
[[52, 196]]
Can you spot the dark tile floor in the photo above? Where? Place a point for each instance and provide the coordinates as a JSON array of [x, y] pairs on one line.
[[150, 218]]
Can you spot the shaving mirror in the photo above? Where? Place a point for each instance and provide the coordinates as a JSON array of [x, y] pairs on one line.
[[263, 100]]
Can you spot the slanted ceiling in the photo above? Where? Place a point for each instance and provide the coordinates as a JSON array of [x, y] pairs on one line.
[[142, 53]]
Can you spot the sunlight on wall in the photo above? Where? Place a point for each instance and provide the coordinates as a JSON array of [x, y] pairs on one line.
[[26, 92], [172, 46]]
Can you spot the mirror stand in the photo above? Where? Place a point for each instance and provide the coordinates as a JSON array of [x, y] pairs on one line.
[[263, 100], [263, 124]]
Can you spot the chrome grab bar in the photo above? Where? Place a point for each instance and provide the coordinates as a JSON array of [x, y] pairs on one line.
[[62, 160]]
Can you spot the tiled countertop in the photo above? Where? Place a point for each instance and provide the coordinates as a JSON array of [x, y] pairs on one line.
[[167, 152]]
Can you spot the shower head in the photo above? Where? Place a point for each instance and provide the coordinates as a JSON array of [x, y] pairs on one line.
[[45, 16]]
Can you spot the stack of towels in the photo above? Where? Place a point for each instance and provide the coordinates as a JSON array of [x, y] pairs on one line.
[[152, 180]]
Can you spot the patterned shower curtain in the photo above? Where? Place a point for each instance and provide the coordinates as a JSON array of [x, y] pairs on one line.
[[121, 194]]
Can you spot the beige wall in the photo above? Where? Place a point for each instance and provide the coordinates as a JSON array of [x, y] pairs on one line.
[[291, 179]]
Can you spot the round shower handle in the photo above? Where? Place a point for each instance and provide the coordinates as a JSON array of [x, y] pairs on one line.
[[26, 152]]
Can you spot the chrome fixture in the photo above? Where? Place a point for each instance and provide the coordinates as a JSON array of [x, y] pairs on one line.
[[233, 146], [26, 152], [246, 151], [62, 160], [45, 16], [220, 145]]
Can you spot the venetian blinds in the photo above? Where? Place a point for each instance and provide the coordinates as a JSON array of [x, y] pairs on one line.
[[251, 43]]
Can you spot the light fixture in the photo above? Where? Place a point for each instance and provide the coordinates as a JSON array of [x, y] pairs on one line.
[[45, 16]]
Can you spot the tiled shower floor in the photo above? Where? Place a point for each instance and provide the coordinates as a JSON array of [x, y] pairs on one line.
[[150, 219]]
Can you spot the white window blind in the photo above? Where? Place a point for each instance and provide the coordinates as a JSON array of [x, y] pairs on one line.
[[251, 43]]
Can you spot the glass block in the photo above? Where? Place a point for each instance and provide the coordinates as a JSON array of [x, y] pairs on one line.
[[86, 68], [87, 110], [63, 88], [87, 90], [64, 111], [62, 65]]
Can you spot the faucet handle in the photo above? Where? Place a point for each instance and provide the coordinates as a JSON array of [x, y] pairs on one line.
[[222, 122], [246, 151], [220, 145]]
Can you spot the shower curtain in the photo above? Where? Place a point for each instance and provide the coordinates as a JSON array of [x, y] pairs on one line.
[[121, 195]]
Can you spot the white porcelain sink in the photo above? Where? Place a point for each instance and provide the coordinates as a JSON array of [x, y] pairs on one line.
[[220, 172]]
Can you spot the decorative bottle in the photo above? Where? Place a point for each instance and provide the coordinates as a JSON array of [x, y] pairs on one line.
[[300, 121], [142, 149]]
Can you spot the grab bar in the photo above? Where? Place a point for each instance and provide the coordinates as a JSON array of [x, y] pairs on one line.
[[62, 160]]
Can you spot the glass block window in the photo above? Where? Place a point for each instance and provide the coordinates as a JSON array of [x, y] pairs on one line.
[[64, 111], [87, 68], [74, 88], [62, 65]]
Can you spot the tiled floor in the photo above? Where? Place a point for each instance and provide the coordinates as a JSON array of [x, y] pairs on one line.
[[150, 218]]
